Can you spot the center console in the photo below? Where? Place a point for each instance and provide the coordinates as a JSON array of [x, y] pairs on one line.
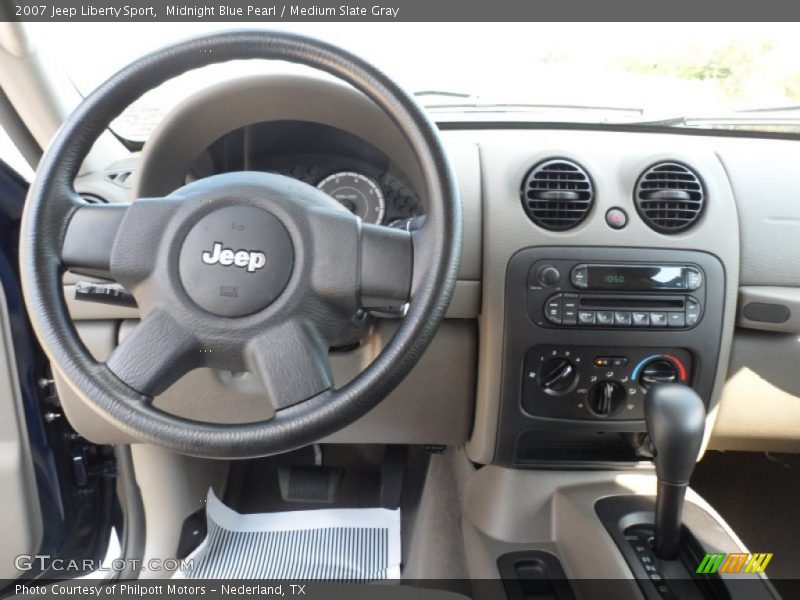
[[588, 331]]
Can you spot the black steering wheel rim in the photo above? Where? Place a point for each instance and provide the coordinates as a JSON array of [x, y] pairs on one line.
[[52, 201]]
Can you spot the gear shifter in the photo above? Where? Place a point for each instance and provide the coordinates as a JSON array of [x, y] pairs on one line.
[[675, 418]]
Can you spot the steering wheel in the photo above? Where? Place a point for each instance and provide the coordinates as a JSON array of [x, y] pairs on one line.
[[239, 271]]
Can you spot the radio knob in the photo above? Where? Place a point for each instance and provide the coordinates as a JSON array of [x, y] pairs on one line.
[[558, 375], [606, 397], [548, 275]]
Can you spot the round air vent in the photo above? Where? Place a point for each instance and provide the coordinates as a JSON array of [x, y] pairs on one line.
[[557, 194], [669, 197]]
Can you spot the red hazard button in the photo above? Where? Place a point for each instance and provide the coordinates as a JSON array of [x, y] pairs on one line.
[[616, 218]]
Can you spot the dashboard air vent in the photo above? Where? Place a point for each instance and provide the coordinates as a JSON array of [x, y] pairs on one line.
[[121, 178], [557, 194], [669, 197], [93, 199]]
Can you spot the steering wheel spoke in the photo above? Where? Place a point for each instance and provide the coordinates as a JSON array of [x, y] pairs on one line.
[[291, 360], [154, 355], [387, 266], [116, 241], [90, 237]]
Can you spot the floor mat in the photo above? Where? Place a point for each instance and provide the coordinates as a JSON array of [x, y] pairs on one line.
[[342, 544]]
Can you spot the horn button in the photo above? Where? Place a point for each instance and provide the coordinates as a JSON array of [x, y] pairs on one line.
[[236, 261]]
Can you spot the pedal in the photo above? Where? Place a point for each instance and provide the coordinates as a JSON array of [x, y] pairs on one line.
[[309, 483], [392, 475]]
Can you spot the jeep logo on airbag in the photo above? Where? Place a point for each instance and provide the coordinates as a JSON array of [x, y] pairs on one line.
[[236, 260], [250, 260]]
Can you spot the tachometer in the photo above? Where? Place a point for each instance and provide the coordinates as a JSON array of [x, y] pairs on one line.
[[358, 193]]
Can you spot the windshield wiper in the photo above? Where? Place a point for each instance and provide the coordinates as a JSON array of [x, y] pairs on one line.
[[663, 122], [475, 102], [524, 107], [786, 120], [771, 109]]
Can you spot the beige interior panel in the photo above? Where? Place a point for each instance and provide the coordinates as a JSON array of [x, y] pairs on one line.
[[508, 510], [172, 487], [433, 405], [760, 407], [21, 520]]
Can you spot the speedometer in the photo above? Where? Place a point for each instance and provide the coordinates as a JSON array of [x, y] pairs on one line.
[[358, 193]]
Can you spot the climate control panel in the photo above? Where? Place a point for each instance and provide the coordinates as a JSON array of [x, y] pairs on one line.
[[597, 382]]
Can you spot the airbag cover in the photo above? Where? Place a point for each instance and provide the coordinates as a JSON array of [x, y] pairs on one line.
[[236, 261]]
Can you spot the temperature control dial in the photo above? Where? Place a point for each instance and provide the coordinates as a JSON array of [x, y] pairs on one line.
[[660, 368]]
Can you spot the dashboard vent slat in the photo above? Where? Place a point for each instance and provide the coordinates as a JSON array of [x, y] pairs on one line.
[[557, 194], [669, 197]]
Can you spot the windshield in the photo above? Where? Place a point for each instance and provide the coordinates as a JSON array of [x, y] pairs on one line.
[[697, 75]]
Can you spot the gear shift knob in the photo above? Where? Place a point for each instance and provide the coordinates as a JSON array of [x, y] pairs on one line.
[[675, 417]]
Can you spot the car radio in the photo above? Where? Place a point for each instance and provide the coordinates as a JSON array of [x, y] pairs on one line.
[[615, 295]]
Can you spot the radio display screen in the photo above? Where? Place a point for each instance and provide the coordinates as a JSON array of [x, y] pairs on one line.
[[638, 278]]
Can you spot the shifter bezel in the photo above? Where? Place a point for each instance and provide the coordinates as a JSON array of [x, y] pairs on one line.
[[701, 533]]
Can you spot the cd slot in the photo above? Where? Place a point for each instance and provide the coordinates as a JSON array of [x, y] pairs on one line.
[[627, 302]]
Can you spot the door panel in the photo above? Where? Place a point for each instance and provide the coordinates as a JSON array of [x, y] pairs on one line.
[[56, 489], [20, 517]]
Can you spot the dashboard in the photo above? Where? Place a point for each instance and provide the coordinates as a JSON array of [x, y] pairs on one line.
[[594, 262]]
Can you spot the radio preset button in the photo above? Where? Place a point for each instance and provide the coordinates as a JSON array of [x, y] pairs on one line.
[[605, 317], [586, 317], [692, 312], [553, 309], [640, 319], [622, 317], [658, 319], [569, 306], [580, 277], [676, 319]]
